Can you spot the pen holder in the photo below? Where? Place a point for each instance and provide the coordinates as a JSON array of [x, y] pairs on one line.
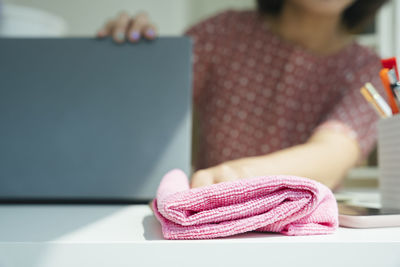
[[389, 162]]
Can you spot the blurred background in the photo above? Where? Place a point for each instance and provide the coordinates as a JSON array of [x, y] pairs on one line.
[[60, 18], [84, 17]]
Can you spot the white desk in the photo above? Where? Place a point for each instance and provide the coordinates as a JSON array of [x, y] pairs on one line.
[[129, 235]]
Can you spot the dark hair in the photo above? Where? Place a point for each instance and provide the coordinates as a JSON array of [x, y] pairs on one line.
[[354, 18]]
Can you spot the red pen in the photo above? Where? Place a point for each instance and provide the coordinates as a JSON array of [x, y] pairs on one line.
[[390, 63]]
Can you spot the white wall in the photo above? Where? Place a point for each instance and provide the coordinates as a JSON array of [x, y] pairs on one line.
[[84, 17], [200, 9]]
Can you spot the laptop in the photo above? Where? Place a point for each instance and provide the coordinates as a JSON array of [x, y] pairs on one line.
[[87, 120]]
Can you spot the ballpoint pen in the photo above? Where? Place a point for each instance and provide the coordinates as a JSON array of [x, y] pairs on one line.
[[389, 90], [376, 100], [394, 83]]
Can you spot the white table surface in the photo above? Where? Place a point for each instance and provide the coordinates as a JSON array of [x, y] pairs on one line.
[[129, 235]]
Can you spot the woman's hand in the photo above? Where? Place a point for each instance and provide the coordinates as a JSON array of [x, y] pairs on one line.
[[227, 171], [125, 27]]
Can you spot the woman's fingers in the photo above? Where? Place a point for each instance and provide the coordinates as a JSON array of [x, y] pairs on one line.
[[225, 172], [202, 178], [106, 30], [149, 32], [135, 29], [141, 27], [121, 27], [126, 28]]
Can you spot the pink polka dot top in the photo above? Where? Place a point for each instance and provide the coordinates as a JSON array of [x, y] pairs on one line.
[[257, 93]]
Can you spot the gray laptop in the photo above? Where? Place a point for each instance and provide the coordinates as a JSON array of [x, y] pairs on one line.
[[89, 120]]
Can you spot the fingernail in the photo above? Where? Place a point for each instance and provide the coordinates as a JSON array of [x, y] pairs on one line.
[[120, 36], [150, 32], [135, 35]]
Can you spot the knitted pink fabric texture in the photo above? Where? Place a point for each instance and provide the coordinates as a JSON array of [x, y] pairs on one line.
[[285, 204]]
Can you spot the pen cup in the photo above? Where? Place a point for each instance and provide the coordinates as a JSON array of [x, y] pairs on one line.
[[389, 162]]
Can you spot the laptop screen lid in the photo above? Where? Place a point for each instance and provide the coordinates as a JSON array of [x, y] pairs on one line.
[[84, 119]]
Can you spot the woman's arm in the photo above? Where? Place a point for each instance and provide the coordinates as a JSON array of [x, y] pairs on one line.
[[325, 157]]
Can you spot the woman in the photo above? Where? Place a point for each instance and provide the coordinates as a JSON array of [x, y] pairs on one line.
[[277, 91]]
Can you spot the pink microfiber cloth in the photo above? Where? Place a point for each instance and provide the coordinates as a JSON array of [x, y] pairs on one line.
[[285, 204]]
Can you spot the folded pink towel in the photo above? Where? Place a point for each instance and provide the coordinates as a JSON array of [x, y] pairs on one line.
[[285, 204]]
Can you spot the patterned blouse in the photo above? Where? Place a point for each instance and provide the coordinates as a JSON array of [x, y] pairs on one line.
[[257, 93]]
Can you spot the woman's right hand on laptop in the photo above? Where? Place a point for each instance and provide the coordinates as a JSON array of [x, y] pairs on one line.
[[127, 28]]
